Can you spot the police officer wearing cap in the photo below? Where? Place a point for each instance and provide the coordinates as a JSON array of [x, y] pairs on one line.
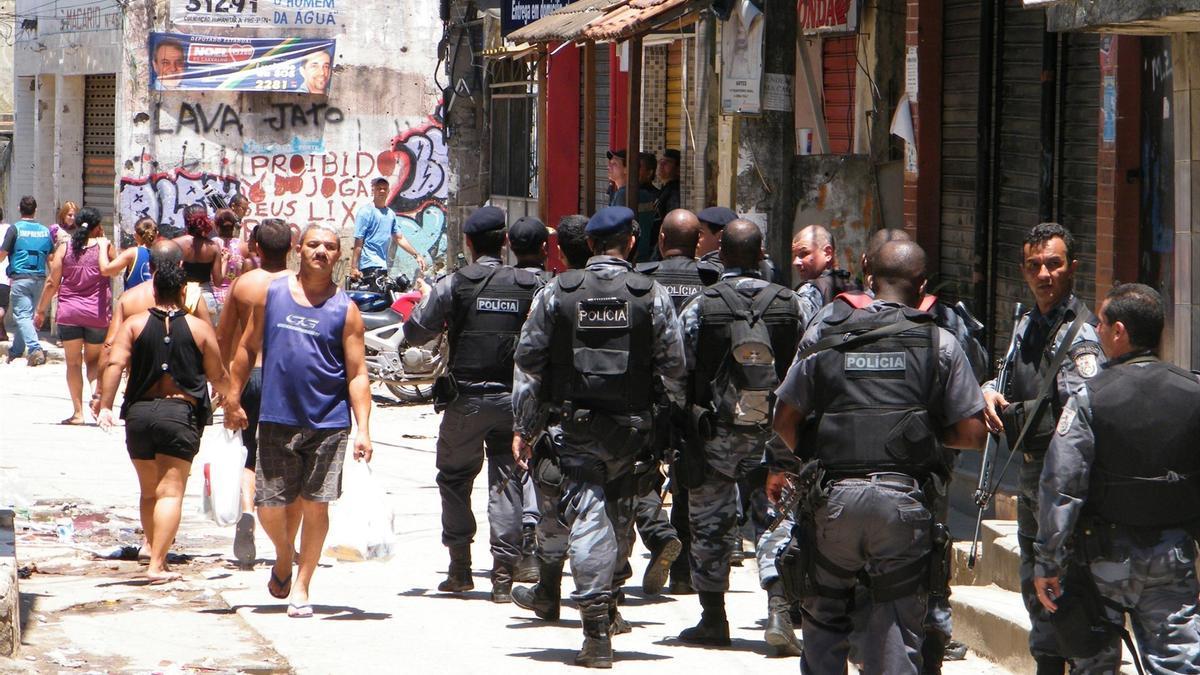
[[1057, 344], [713, 220], [733, 394], [588, 353], [868, 395], [1120, 491], [481, 308], [528, 239]]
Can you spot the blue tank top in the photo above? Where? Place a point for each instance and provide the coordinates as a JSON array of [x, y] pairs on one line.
[[31, 249], [304, 365], [140, 271]]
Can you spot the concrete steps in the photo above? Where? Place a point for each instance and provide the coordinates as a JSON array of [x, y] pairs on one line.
[[993, 622]]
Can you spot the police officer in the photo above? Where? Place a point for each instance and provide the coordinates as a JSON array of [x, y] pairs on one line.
[[528, 239], [679, 273], [1121, 487], [588, 353], [814, 261], [881, 383], [731, 380], [481, 307], [1049, 269]]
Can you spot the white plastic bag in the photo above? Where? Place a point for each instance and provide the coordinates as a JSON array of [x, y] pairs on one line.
[[222, 458], [360, 522]]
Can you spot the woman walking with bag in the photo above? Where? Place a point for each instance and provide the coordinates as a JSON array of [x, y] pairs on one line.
[[84, 302], [172, 357]]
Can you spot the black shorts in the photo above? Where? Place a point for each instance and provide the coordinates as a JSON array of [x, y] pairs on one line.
[[4, 290], [251, 401], [91, 336], [162, 426]]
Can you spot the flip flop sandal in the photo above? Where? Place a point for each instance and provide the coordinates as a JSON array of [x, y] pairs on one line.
[[303, 611], [284, 586]]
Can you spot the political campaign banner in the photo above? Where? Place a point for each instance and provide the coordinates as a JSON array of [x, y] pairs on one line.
[[181, 62], [257, 13]]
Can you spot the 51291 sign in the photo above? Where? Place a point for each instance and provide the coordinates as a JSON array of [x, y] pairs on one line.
[[222, 6]]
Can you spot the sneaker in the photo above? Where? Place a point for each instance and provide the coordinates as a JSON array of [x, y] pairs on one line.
[[36, 358]]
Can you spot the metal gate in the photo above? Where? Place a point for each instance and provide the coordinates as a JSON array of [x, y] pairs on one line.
[[838, 68], [599, 154], [99, 146]]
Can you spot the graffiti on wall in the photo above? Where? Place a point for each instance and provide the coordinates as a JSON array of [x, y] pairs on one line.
[[164, 196], [330, 187]]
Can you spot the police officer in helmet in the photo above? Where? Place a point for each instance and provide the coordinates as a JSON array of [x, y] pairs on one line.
[[594, 341], [1120, 491], [740, 335], [481, 307], [881, 383]]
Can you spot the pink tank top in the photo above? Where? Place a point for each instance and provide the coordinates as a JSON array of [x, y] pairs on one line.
[[233, 269], [85, 297]]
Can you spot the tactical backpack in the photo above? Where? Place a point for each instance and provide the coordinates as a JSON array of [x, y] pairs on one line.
[[746, 377]]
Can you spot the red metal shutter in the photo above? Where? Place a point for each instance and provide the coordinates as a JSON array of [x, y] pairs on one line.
[[838, 72]]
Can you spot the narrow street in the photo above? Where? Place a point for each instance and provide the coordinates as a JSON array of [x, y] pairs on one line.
[[82, 613]]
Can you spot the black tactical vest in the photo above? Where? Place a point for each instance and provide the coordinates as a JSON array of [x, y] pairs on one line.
[[834, 284], [872, 399], [680, 276], [489, 307], [1146, 422], [714, 339], [1036, 355], [603, 340]]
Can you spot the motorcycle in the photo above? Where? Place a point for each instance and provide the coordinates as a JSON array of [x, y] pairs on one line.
[[407, 371]]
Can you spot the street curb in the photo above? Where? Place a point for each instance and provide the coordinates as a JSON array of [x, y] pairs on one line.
[[265, 640], [10, 595]]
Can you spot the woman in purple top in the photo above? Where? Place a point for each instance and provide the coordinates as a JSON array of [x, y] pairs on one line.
[[84, 302]]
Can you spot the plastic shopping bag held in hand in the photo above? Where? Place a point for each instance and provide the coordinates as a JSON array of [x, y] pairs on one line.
[[360, 522], [222, 458]]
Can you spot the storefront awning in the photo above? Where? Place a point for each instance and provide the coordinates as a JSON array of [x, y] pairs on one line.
[[639, 16], [566, 24], [513, 51]]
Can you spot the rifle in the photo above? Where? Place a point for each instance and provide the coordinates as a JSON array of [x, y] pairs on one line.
[[985, 490], [798, 489]]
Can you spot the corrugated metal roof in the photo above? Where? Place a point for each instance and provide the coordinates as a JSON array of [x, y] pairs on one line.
[[636, 17], [564, 24]]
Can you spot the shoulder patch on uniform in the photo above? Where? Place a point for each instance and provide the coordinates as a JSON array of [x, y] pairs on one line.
[[1086, 357], [570, 280], [638, 284], [1065, 420]]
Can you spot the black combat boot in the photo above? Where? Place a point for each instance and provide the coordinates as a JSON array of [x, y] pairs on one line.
[[543, 598], [933, 650], [618, 623], [526, 571], [502, 578], [713, 628], [1051, 665], [458, 578], [660, 566], [597, 645], [781, 633]]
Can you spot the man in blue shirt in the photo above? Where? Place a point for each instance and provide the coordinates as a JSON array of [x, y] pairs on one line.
[[375, 225], [27, 246]]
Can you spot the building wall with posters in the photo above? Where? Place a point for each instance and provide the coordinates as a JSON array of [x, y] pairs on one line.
[[306, 158]]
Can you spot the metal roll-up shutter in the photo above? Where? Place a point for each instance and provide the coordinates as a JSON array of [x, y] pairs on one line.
[[675, 94], [1018, 160], [600, 157], [960, 150], [1079, 129], [99, 144], [838, 73]]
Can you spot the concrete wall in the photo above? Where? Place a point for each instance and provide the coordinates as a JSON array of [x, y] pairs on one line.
[[303, 158], [1153, 16], [72, 38]]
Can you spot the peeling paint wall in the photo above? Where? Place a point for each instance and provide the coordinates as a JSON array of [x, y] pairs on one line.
[[837, 191], [299, 157]]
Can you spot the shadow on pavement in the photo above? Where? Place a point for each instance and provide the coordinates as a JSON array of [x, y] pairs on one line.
[[538, 623], [738, 645], [568, 656], [326, 612], [430, 593]]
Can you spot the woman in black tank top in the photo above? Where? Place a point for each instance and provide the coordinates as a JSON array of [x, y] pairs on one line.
[[172, 357], [200, 253]]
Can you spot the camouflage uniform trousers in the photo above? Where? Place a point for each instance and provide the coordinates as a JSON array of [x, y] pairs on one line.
[[1042, 641], [771, 545], [472, 427], [1157, 586], [713, 507], [576, 524]]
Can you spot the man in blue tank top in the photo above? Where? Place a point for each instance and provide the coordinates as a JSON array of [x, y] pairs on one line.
[[313, 373], [27, 246]]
